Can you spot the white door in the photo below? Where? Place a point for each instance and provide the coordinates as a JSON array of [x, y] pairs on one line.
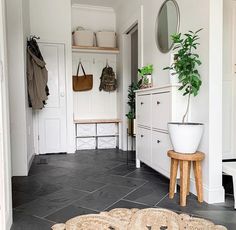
[[5, 153], [52, 130]]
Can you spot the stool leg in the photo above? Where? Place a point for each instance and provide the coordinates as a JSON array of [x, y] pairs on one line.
[[173, 175], [198, 179], [183, 182], [189, 171]]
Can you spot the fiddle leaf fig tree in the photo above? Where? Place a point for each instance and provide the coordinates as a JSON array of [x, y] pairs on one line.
[[186, 63]]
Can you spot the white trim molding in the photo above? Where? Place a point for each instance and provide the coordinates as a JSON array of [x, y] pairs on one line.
[[91, 7], [210, 195]]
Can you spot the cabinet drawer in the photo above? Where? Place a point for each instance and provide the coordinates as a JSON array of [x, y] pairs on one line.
[[144, 145], [143, 110], [160, 145], [161, 110]]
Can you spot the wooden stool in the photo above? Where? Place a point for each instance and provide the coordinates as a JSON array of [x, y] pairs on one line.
[[185, 168]]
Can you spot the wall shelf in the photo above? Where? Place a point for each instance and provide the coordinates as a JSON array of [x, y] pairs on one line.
[[85, 49]]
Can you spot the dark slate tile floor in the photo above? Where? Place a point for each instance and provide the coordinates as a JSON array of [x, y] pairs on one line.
[[94, 181]]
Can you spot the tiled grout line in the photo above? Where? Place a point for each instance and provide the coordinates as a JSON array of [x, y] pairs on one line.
[[42, 218], [92, 193], [136, 202], [124, 196], [74, 202], [161, 199]]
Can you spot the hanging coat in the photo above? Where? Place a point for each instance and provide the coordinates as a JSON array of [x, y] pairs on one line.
[[37, 78]]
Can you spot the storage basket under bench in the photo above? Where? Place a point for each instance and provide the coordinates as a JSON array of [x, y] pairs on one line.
[[97, 134]]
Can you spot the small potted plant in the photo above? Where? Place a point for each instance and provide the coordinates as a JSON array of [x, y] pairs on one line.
[[131, 102], [186, 137], [146, 76]]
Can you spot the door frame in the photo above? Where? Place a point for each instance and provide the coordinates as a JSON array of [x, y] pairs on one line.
[[5, 153], [125, 55]]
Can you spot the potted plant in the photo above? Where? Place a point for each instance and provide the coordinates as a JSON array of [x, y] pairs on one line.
[[131, 102], [185, 137], [146, 76]]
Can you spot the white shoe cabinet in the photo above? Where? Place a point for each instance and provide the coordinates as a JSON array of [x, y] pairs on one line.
[[155, 107]]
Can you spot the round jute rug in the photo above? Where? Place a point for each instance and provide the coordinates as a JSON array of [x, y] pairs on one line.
[[135, 219]]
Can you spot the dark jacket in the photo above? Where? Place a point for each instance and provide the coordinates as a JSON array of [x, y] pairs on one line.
[[37, 78]]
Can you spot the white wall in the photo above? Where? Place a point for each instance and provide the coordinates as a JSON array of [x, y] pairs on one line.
[[210, 71], [86, 16], [94, 104], [128, 15], [5, 151], [20, 114], [29, 113], [229, 95], [51, 20]]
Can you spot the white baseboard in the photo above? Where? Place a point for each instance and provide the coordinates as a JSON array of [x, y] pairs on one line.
[[9, 222], [31, 161], [210, 196]]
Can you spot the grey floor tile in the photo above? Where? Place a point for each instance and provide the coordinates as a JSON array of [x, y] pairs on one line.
[[80, 184], [20, 198], [52, 202], [27, 222], [54, 190], [127, 204], [148, 194], [67, 213], [35, 187], [151, 177], [192, 205], [103, 198], [118, 180], [122, 170]]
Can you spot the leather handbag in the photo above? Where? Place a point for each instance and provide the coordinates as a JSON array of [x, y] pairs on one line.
[[84, 82]]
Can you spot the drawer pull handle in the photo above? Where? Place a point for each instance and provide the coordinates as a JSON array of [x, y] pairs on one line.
[[158, 141], [142, 136], [158, 102], [142, 103]]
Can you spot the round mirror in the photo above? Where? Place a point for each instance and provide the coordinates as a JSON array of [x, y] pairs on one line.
[[167, 24]]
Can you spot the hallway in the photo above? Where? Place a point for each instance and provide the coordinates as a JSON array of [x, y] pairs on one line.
[[94, 181]]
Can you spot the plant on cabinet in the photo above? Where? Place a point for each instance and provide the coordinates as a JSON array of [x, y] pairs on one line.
[[146, 76], [131, 102], [185, 136]]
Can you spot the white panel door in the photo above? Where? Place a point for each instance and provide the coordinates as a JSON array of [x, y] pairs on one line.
[[52, 119]]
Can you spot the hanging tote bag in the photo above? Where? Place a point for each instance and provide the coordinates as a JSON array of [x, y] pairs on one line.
[[84, 82]]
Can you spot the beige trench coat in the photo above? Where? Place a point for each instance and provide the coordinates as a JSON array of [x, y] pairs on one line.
[[37, 78]]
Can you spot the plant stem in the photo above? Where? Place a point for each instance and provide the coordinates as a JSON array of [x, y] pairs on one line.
[[186, 113]]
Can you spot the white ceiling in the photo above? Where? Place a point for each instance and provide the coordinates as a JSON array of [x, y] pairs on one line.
[[105, 3]]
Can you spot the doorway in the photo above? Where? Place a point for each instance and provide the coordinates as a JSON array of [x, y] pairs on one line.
[[50, 122], [134, 54]]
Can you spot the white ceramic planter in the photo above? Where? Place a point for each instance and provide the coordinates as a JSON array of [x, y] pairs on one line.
[[185, 137]]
